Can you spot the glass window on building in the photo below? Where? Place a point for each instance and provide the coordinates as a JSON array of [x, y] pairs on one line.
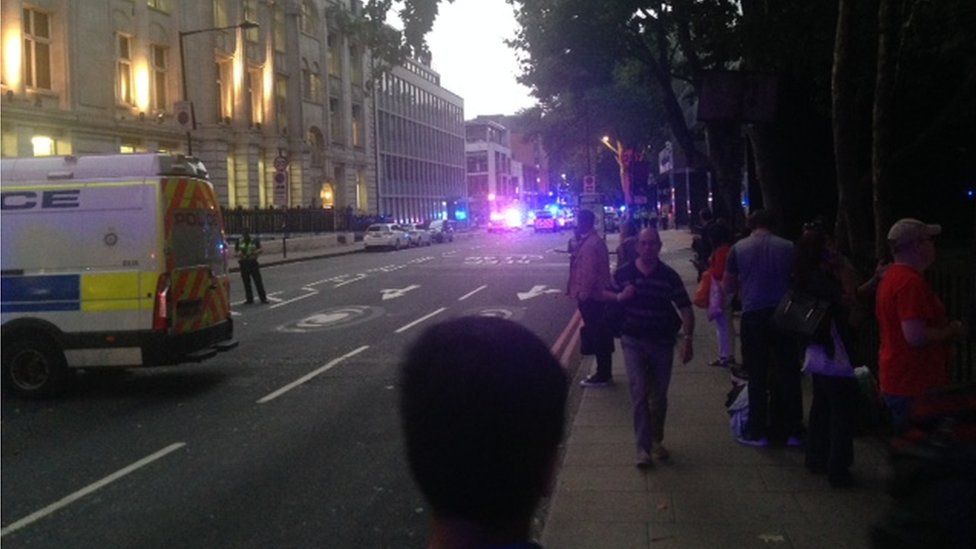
[[335, 55], [37, 49], [220, 13], [251, 14], [161, 5], [362, 194], [123, 69], [281, 100], [279, 28], [309, 19], [43, 145], [306, 80], [225, 90], [316, 81], [357, 126], [158, 74], [356, 65], [335, 119], [255, 96]]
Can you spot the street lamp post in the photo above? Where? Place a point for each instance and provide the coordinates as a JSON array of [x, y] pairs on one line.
[[624, 160], [193, 120]]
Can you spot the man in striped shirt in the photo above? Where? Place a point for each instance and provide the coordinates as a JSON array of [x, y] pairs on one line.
[[656, 306]]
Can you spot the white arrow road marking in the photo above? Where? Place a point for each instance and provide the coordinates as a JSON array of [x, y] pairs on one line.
[[471, 293], [294, 299], [536, 291], [419, 320], [310, 375], [71, 498], [355, 278], [395, 293]]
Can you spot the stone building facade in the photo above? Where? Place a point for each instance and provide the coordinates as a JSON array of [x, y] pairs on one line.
[[104, 76]]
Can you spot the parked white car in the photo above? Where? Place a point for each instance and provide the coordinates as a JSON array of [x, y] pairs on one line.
[[386, 235], [418, 235]]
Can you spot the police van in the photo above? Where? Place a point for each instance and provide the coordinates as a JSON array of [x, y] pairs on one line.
[[108, 261]]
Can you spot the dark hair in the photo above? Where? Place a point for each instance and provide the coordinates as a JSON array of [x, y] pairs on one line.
[[483, 409], [586, 218], [761, 218], [811, 249], [630, 228]]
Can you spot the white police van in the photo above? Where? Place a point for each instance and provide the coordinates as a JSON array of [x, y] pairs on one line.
[[108, 261]]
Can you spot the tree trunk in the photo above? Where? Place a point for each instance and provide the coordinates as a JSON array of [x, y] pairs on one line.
[[767, 172], [884, 91], [852, 225], [725, 152]]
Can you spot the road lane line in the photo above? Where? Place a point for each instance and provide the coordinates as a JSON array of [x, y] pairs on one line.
[[350, 281], [69, 499], [283, 303], [471, 293], [573, 321], [419, 320], [310, 375]]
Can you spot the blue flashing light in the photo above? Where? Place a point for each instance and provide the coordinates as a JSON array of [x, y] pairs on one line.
[[461, 215], [623, 209], [553, 209], [970, 193]]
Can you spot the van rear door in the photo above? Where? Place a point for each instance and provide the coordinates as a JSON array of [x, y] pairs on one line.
[[199, 287]]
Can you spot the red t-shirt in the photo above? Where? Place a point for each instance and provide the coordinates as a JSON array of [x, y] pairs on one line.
[[719, 258], [904, 370]]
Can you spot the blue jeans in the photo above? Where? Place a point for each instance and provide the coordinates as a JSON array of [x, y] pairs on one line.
[[649, 371], [772, 360]]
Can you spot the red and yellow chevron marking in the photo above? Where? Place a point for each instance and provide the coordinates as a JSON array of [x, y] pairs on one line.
[[193, 285], [186, 194]]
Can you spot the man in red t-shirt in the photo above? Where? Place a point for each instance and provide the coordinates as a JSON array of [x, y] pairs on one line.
[[915, 332]]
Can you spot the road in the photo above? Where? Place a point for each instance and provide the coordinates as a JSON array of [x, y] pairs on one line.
[[293, 438]]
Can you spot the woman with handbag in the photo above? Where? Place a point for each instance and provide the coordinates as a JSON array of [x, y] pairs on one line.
[[719, 304], [830, 435]]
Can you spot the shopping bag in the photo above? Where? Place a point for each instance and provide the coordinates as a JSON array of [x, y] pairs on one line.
[[702, 293]]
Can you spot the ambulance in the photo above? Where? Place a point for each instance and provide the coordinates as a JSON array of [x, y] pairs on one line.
[[108, 261]]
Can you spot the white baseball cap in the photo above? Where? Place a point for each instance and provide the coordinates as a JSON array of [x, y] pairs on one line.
[[909, 230]]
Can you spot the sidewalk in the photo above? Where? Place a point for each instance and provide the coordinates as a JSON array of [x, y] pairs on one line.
[[713, 492]]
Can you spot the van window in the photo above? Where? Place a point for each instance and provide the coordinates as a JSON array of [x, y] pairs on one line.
[[196, 239]]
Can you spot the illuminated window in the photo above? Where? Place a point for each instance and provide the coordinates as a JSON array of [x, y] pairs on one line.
[[225, 90], [43, 145], [281, 100], [220, 13], [362, 196], [255, 96], [37, 49], [161, 5], [316, 81], [127, 149], [123, 69], [158, 58], [357, 126], [317, 145]]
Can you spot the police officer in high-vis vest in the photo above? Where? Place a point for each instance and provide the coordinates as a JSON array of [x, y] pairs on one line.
[[248, 250]]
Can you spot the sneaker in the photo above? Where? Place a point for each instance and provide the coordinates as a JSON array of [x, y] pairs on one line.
[[719, 363], [595, 380], [739, 372], [660, 453], [761, 442], [644, 459], [794, 441], [264, 301]]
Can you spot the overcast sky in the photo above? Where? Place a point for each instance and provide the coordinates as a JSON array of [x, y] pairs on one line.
[[468, 50]]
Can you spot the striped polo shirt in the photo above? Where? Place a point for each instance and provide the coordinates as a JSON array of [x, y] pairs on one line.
[[652, 314]]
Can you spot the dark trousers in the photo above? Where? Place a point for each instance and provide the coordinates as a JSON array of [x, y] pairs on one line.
[[601, 338], [830, 434], [250, 270], [772, 361]]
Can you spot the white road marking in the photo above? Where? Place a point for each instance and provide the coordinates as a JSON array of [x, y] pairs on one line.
[[471, 293], [69, 499], [299, 298], [350, 281], [535, 292], [310, 375], [419, 320], [395, 293]]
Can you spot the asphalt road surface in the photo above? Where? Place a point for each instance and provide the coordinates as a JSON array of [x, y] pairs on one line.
[[290, 440]]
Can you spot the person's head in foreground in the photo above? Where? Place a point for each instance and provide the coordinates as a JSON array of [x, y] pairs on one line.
[[910, 241], [482, 405]]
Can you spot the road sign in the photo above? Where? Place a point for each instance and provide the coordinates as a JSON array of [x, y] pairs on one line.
[[281, 188], [589, 184], [280, 163], [183, 111]]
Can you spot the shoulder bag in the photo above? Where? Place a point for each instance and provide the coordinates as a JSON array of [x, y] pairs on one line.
[[801, 314]]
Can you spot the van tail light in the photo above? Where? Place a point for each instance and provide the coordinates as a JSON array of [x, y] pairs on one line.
[[161, 305]]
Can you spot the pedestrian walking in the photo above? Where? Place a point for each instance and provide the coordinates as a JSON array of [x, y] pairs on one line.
[[627, 249], [482, 407], [589, 281], [719, 304], [916, 334], [651, 293], [830, 437], [247, 250], [758, 268]]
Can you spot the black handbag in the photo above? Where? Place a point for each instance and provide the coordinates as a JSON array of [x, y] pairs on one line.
[[801, 314]]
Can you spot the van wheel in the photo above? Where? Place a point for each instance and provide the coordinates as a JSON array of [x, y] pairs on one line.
[[34, 367]]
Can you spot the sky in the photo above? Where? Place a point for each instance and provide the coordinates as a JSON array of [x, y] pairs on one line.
[[468, 50]]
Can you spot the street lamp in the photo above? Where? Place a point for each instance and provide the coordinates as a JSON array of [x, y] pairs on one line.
[[245, 25], [624, 160]]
